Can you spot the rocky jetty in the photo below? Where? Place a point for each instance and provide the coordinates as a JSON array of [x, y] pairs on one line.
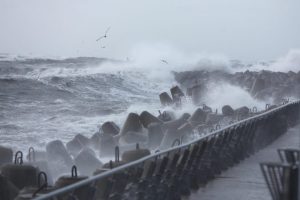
[[262, 85], [141, 134]]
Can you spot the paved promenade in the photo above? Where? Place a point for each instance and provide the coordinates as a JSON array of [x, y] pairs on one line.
[[245, 180]]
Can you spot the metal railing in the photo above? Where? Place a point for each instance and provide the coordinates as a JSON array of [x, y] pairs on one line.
[[174, 172], [282, 178]]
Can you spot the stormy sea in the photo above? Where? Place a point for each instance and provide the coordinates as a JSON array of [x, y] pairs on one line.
[[44, 99]]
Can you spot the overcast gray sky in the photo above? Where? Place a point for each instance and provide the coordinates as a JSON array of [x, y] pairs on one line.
[[242, 29]]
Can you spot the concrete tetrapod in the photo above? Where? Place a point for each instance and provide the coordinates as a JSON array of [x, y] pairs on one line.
[[77, 144], [132, 123], [30, 192], [132, 155], [165, 99], [59, 159], [110, 128], [155, 135], [146, 118], [198, 117], [36, 160], [20, 175], [87, 162], [82, 193], [227, 110], [6, 155], [8, 191]]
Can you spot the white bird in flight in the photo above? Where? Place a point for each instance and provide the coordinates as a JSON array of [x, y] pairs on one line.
[[164, 61], [104, 36]]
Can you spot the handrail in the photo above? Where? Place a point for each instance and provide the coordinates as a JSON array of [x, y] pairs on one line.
[[105, 174]]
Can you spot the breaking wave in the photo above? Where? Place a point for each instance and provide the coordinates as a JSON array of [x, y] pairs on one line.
[[44, 99]]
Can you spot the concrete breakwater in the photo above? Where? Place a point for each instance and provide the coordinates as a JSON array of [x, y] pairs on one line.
[[144, 166]]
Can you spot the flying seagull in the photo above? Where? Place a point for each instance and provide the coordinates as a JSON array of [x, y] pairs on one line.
[[164, 61], [104, 36]]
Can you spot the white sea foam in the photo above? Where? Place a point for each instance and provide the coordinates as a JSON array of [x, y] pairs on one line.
[[146, 76]]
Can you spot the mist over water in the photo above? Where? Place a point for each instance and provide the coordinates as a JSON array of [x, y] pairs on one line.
[[46, 99], [285, 63], [220, 94]]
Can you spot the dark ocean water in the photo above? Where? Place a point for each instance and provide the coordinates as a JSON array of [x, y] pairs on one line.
[[47, 99]]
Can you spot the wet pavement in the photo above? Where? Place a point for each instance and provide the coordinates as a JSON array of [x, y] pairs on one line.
[[245, 180]]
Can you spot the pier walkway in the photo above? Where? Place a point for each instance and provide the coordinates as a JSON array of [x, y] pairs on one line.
[[245, 180]]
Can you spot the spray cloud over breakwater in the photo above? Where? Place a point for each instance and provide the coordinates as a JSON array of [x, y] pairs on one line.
[[46, 99]]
